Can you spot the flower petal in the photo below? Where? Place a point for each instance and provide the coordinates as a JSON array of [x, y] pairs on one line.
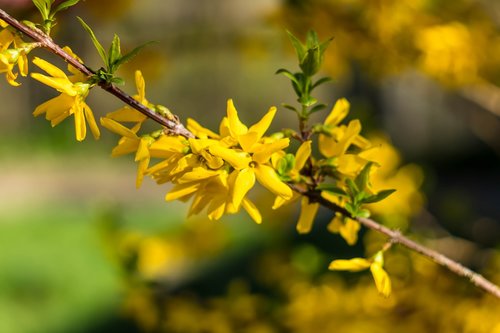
[[181, 191], [351, 265], [236, 127], [302, 155], [252, 210], [245, 180], [270, 180], [263, 152], [382, 280], [126, 114], [238, 159], [338, 113], [261, 127], [91, 120], [80, 127], [200, 131], [118, 128], [141, 86], [52, 70], [307, 214]]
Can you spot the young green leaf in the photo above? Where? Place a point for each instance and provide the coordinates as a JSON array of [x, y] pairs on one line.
[[379, 196], [353, 188], [44, 7], [114, 54], [321, 81], [298, 46], [332, 189], [312, 40], [317, 108], [289, 107], [117, 80], [130, 55], [363, 177], [365, 213], [97, 45], [64, 5], [288, 74]]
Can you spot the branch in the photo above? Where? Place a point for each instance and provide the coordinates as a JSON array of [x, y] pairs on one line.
[[47, 42], [314, 196], [397, 238]]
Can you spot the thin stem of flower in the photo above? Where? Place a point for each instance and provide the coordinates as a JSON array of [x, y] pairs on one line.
[[396, 237], [47, 42]]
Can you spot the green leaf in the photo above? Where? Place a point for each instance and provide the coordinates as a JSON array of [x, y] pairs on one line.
[[365, 213], [298, 46], [289, 107], [312, 40], [289, 75], [97, 45], [114, 54], [379, 196], [353, 188], [130, 55], [323, 46], [352, 209], [321, 81], [332, 189], [43, 7], [64, 5], [286, 164], [317, 108], [362, 178], [308, 100], [117, 80]]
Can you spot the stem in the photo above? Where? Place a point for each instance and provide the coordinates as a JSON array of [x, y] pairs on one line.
[[47, 42], [396, 237]]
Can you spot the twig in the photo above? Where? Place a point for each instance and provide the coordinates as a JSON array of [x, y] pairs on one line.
[[396, 237], [315, 196], [47, 42]]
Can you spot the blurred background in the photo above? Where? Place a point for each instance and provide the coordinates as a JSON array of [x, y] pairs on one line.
[[81, 250]]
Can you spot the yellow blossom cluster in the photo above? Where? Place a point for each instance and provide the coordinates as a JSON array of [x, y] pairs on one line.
[[74, 89], [13, 53]]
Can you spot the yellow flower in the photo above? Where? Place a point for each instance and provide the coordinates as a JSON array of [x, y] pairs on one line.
[[346, 227], [128, 114], [351, 265], [70, 102], [376, 263], [10, 57], [129, 143], [210, 190], [250, 156], [341, 137], [308, 210]]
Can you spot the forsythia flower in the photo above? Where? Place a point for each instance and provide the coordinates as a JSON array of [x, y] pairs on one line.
[[380, 276], [251, 159], [10, 57], [128, 114], [334, 144], [219, 170], [70, 102], [307, 210], [130, 143]]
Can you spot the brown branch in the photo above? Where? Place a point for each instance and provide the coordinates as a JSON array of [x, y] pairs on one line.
[[47, 42], [396, 237], [314, 196]]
